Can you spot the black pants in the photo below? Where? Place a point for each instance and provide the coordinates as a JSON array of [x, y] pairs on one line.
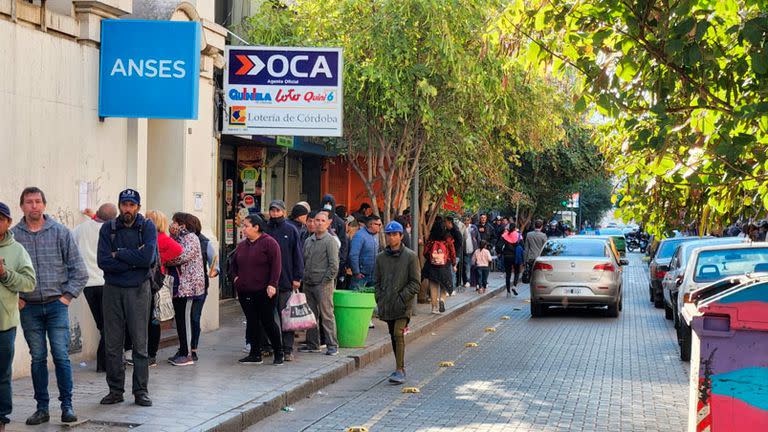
[[126, 308], [288, 337], [509, 267], [180, 316], [261, 313], [153, 334], [194, 318], [93, 295]]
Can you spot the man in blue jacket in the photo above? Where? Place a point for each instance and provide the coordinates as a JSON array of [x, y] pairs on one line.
[[61, 276], [292, 271], [127, 252], [363, 251]]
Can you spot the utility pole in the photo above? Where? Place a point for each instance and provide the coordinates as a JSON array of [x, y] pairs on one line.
[[415, 211]]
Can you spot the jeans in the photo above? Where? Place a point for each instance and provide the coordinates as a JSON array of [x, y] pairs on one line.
[[7, 341], [482, 273], [43, 323], [396, 328], [320, 300], [127, 308], [261, 313], [93, 295], [194, 319]]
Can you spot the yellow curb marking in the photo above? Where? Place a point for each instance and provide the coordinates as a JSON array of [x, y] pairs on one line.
[[505, 317], [471, 344], [357, 429], [411, 390], [490, 329], [446, 364]]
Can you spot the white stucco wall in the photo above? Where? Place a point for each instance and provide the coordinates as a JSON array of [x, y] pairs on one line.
[[51, 137]]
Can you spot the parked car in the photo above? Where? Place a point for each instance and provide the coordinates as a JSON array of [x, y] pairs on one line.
[[709, 264], [660, 265], [583, 271], [679, 263], [618, 239]]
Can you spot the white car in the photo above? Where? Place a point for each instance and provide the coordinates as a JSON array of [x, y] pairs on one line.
[[710, 264]]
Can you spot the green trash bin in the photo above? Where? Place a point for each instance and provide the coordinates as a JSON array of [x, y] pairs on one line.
[[353, 311]]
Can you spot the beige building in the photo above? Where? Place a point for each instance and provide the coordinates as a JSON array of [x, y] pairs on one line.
[[52, 137]]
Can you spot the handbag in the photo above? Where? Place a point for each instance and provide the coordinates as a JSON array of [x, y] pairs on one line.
[[164, 301], [527, 273], [297, 315]]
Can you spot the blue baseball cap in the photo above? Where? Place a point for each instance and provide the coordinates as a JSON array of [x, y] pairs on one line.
[[393, 227], [5, 210], [130, 195]]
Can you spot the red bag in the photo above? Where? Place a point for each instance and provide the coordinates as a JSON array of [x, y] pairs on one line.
[[438, 256]]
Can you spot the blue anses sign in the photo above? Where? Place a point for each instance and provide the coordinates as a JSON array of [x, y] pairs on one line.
[[149, 69]]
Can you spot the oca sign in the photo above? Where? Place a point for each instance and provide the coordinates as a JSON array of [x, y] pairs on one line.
[[284, 91], [149, 69]]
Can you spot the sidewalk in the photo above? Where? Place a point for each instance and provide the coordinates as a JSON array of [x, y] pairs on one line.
[[218, 393]]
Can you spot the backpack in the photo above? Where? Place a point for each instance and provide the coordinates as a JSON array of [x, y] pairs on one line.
[[156, 277], [438, 256]]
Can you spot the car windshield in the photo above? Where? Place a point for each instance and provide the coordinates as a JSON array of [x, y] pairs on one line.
[[610, 231], [689, 248], [583, 248], [667, 248], [713, 265]]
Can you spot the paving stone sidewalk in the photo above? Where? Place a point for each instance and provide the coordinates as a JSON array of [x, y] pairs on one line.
[[218, 393]]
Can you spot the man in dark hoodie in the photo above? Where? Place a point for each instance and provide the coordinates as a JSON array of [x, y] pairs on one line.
[[127, 252], [292, 263], [339, 228], [298, 219]]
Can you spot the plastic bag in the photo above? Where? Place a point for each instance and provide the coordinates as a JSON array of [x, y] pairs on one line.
[[164, 301], [297, 315]]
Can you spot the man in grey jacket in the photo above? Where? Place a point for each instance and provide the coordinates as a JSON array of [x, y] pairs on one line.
[[321, 265], [534, 242], [61, 275]]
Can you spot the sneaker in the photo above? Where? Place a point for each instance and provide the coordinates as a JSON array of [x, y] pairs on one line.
[[279, 358], [466, 285], [194, 356], [514, 291], [435, 312], [251, 360], [129, 361], [397, 377], [68, 415], [371, 325], [442, 306], [39, 417], [112, 398], [289, 357], [4, 420], [152, 361], [332, 351], [509, 294], [306, 349], [178, 354], [182, 361], [247, 348]]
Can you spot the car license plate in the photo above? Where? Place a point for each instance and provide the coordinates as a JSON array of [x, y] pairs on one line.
[[574, 291]]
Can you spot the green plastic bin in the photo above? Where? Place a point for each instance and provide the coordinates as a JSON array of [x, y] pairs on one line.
[[353, 311]]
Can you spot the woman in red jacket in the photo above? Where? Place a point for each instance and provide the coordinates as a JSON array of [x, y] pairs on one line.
[[256, 268], [168, 249]]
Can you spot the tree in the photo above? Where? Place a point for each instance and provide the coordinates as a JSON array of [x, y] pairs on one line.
[[685, 84]]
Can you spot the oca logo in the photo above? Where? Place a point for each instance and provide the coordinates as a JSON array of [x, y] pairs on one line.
[[281, 66]]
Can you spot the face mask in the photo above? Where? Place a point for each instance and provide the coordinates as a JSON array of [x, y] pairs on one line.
[[328, 207]]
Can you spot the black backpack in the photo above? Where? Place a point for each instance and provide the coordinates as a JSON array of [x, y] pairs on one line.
[[156, 276]]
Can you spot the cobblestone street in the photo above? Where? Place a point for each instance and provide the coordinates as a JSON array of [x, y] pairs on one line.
[[573, 370]]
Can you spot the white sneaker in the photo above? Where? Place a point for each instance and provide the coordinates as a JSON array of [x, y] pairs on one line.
[[247, 348], [466, 285], [371, 325]]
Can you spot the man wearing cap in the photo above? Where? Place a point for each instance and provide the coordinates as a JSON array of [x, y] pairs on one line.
[[339, 229], [61, 276], [298, 219], [16, 275], [362, 252], [126, 253], [292, 263], [397, 280]]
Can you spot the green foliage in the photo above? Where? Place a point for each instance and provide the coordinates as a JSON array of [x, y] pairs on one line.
[[685, 85]]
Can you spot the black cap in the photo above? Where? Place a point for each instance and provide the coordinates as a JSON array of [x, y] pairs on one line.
[[5, 210], [298, 210]]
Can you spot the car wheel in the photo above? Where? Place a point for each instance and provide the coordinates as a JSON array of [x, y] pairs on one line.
[[650, 290], [685, 342], [658, 303], [613, 309], [537, 310], [667, 312], [676, 320], [621, 302]]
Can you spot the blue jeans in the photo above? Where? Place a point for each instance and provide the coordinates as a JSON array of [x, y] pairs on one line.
[[482, 273], [51, 320], [7, 341]]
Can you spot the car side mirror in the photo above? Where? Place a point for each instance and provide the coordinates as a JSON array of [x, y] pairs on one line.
[[679, 280], [624, 262]]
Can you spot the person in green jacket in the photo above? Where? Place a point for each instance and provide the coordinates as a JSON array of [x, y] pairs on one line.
[[16, 275], [397, 278]]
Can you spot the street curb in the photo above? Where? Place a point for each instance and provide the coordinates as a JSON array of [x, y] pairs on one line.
[[255, 410]]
